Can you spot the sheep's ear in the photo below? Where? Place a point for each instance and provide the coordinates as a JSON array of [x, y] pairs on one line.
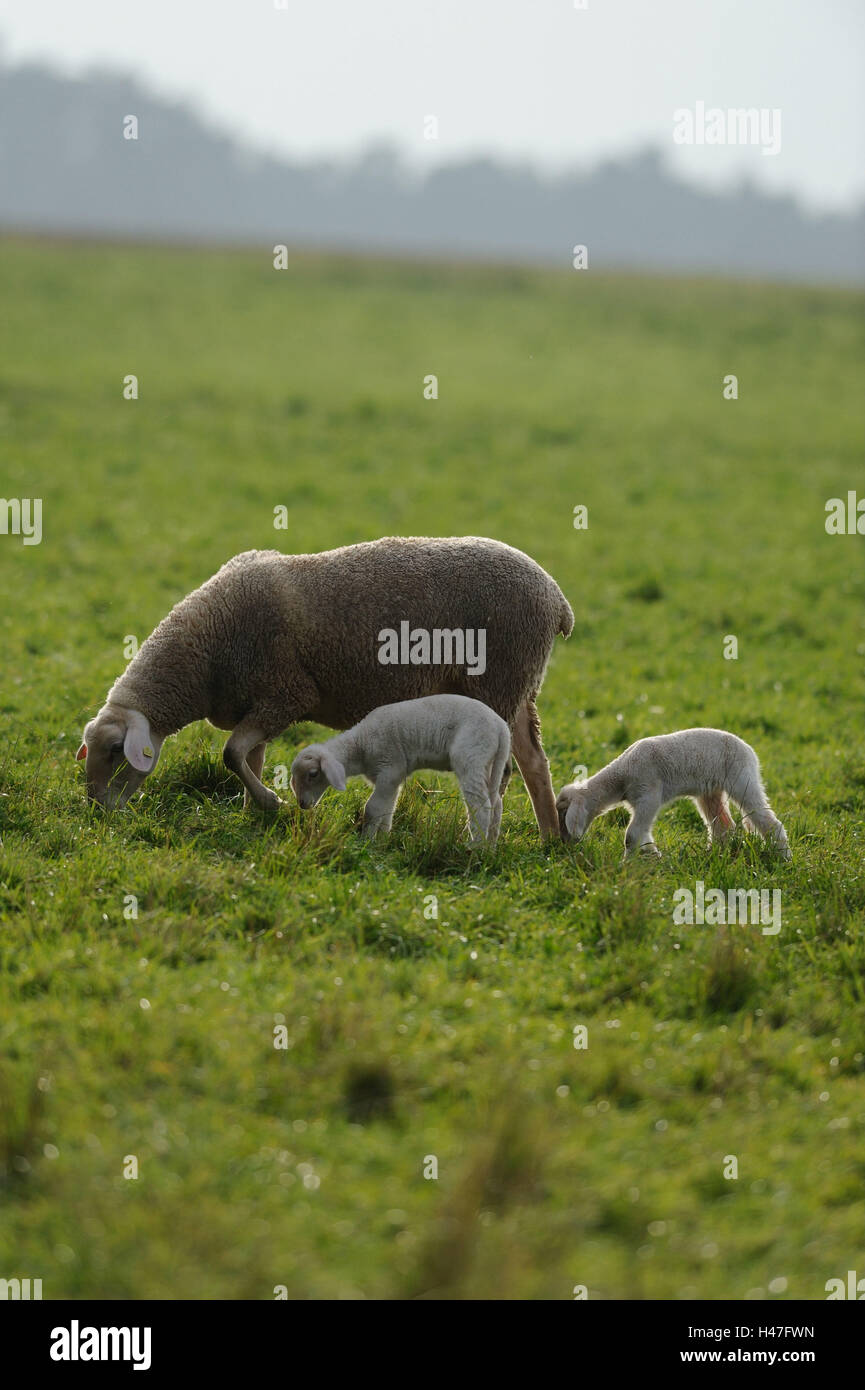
[[333, 771], [571, 820], [140, 748], [82, 751]]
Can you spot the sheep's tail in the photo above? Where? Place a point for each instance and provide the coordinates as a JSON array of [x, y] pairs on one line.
[[566, 617]]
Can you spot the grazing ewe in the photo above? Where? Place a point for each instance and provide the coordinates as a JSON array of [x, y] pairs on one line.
[[706, 764], [274, 639], [450, 733]]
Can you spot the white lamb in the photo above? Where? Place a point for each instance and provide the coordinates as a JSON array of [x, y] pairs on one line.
[[445, 732], [708, 765]]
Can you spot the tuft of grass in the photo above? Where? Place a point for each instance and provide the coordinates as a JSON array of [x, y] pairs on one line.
[[369, 1092], [503, 1171], [648, 590], [729, 979]]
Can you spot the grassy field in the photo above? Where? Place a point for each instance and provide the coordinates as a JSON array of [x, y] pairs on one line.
[[412, 1036]]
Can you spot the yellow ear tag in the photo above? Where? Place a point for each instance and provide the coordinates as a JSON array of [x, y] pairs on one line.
[[147, 751]]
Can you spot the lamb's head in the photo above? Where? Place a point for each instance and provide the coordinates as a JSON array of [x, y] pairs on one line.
[[572, 804], [120, 749], [312, 772]]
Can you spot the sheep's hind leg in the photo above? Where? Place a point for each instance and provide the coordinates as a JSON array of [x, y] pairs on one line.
[[716, 813], [244, 742], [532, 762]]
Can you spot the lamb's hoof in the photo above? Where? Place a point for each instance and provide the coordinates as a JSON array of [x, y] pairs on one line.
[[272, 803]]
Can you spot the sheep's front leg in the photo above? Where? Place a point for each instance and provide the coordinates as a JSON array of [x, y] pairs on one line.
[[378, 811], [248, 742], [639, 832], [255, 763]]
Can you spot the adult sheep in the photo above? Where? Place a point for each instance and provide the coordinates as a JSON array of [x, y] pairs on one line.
[[273, 639]]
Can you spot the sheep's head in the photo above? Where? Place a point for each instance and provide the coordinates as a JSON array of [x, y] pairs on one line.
[[120, 749], [573, 808], [312, 772]]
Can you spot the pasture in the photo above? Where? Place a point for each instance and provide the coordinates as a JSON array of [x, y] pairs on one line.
[[429, 994]]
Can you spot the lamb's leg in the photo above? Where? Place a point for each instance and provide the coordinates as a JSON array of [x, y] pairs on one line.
[[766, 823], [495, 817], [495, 820], [497, 781], [532, 762], [480, 811], [478, 763], [378, 811], [255, 763], [716, 813], [750, 796], [243, 741], [496, 787], [639, 832]]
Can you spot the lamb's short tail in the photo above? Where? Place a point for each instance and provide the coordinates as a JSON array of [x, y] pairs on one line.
[[566, 618]]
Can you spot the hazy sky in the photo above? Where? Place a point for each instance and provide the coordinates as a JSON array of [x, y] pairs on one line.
[[534, 79]]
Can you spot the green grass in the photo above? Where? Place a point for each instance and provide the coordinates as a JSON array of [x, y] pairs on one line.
[[413, 1035]]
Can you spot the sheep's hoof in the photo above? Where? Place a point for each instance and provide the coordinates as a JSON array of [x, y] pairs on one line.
[[272, 803]]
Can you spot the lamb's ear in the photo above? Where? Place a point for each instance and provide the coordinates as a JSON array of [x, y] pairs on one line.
[[333, 771], [82, 753], [571, 820], [140, 748]]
